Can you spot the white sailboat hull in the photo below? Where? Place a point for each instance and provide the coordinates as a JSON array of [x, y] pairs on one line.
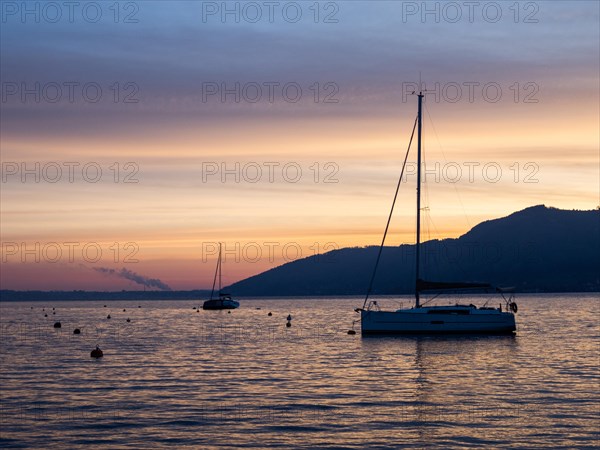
[[438, 320]]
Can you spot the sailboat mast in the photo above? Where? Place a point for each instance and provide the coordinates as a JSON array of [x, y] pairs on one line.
[[219, 268], [418, 245]]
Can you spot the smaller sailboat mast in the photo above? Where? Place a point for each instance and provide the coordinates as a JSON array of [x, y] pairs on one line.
[[220, 268], [217, 274]]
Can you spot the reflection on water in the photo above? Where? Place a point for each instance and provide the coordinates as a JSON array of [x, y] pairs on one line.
[[175, 376]]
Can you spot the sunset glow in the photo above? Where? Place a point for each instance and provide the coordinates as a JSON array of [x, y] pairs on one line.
[[155, 183]]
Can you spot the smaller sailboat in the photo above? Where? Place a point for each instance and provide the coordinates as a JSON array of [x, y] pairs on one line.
[[223, 301]]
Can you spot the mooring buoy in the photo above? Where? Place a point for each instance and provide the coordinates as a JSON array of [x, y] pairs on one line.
[[97, 353]]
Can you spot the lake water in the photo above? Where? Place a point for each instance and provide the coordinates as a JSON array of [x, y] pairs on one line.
[[180, 378]]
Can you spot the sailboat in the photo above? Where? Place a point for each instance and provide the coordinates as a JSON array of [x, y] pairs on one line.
[[223, 301], [449, 319]]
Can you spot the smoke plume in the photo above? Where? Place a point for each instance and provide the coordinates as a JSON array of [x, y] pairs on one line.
[[139, 279]]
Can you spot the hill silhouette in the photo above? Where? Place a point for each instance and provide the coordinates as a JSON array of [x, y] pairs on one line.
[[537, 249]]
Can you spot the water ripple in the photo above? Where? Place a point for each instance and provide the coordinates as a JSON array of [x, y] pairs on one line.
[[176, 377]]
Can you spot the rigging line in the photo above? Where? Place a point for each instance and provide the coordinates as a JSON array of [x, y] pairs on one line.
[[438, 234], [431, 299], [426, 209], [391, 212], [445, 160], [425, 190]]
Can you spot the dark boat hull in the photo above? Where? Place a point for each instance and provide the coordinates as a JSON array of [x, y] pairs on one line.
[[220, 304]]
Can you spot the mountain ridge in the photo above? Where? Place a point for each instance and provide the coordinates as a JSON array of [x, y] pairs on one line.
[[536, 249]]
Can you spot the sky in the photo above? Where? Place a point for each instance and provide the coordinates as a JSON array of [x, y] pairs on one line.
[[135, 136]]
